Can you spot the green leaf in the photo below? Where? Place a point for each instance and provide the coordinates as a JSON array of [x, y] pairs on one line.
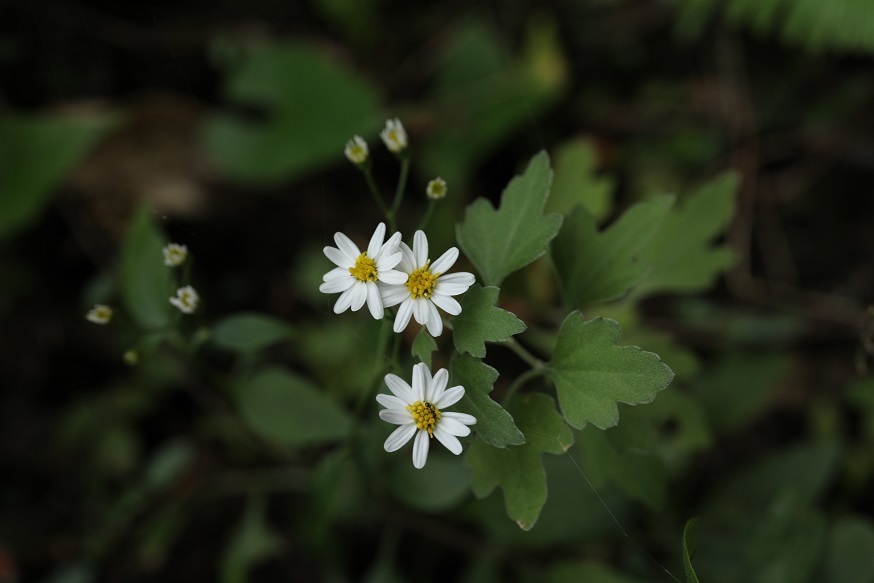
[[146, 283], [441, 485], [493, 423], [480, 321], [499, 242], [36, 153], [689, 549], [850, 556], [250, 332], [597, 267], [587, 572], [518, 470], [576, 181], [253, 542], [592, 374], [682, 255], [313, 107], [423, 346], [286, 408]]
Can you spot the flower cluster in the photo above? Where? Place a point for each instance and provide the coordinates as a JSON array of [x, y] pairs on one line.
[[389, 273]]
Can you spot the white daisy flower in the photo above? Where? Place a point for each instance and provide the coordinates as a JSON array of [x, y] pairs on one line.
[[356, 273], [356, 150], [419, 411], [394, 136], [427, 287], [186, 299], [175, 254], [99, 314], [436, 189]]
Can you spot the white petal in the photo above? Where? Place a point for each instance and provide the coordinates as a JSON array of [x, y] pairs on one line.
[[385, 262], [453, 427], [399, 437], [420, 248], [403, 316], [390, 402], [448, 440], [438, 385], [434, 321], [450, 397], [391, 246], [400, 388], [392, 295], [359, 295], [374, 301], [338, 258], [375, 245], [420, 449], [445, 262], [421, 381], [449, 305], [346, 246], [393, 277], [460, 417], [408, 260], [338, 285], [420, 310], [461, 277], [453, 284], [336, 273], [344, 301], [396, 416]]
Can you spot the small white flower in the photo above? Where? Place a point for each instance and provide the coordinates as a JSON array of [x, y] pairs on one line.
[[356, 273], [436, 189], [356, 150], [99, 314], [175, 254], [394, 136], [419, 411], [427, 287], [186, 299]]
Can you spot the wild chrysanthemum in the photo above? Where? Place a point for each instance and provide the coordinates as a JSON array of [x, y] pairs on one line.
[[427, 286], [356, 150], [436, 189], [186, 299], [420, 411], [394, 136], [357, 273], [99, 314], [175, 254]]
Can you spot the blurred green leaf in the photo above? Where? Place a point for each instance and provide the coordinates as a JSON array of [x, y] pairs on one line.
[[689, 549], [499, 242], [312, 107], [441, 485], [860, 395], [576, 181], [168, 463], [250, 332], [592, 374], [481, 321], [493, 423], [518, 470], [252, 543], [146, 283], [682, 256], [36, 153], [286, 408], [423, 346], [850, 557], [587, 572], [597, 267]]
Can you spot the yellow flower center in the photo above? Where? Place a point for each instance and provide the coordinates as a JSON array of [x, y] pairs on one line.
[[425, 415], [421, 282], [365, 268]]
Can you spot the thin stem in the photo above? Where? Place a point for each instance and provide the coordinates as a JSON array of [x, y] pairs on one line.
[[423, 224], [402, 185], [521, 380], [382, 344], [523, 353], [368, 175]]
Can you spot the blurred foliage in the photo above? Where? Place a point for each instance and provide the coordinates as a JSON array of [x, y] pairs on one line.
[[234, 446]]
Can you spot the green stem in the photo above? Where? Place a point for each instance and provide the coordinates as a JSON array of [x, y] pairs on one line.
[[382, 344], [521, 380], [399, 193], [523, 353], [427, 218], [371, 185]]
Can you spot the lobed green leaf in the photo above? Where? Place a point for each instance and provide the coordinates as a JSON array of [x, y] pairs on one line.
[[493, 423], [577, 183], [481, 321], [423, 345]]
